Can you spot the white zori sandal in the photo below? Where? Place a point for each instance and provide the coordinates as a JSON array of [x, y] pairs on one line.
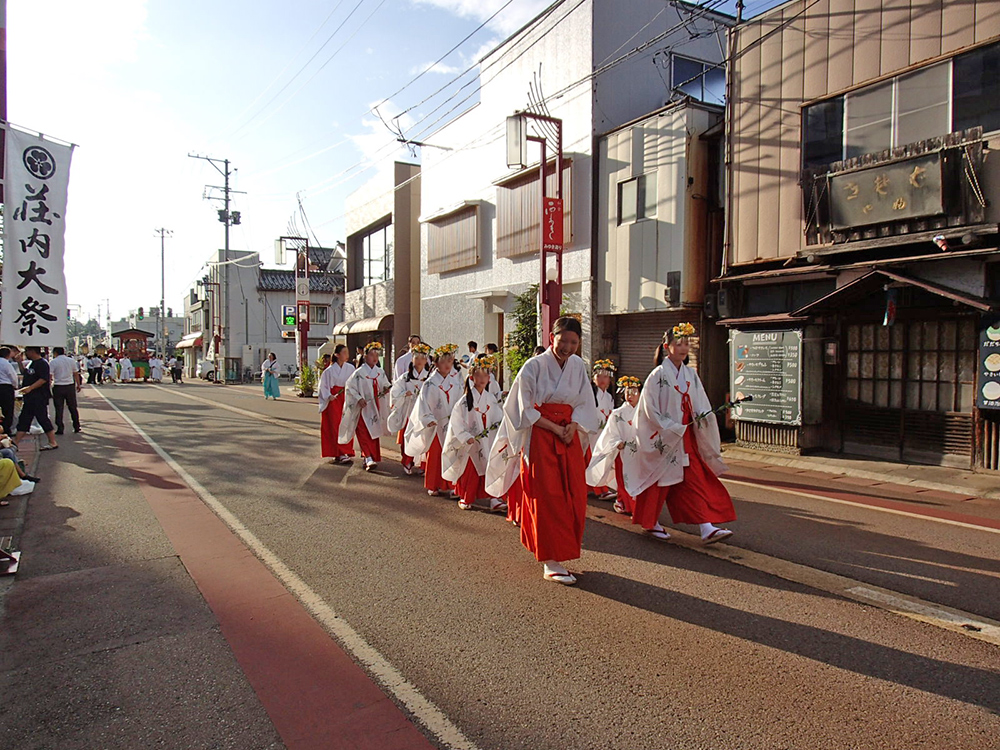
[[559, 574]]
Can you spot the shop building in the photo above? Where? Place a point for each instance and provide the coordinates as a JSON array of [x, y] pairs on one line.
[[382, 301], [596, 66], [861, 280]]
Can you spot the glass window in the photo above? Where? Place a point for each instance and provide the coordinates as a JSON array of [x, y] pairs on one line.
[[869, 120], [637, 199], [976, 89], [922, 104], [319, 314], [703, 81], [628, 194], [823, 128], [376, 251]]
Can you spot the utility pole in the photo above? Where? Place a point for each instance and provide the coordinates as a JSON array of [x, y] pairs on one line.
[[164, 233], [228, 218]]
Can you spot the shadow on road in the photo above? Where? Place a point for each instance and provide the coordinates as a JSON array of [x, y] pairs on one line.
[[967, 684]]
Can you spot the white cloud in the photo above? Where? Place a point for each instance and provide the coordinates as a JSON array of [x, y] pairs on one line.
[[442, 68], [509, 21]]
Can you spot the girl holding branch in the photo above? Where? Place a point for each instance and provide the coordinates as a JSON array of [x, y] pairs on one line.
[[428, 423], [366, 407], [403, 396]]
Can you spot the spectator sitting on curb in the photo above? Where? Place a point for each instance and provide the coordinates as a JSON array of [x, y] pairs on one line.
[[10, 483]]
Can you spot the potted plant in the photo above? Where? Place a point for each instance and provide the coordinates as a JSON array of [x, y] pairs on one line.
[[306, 382]]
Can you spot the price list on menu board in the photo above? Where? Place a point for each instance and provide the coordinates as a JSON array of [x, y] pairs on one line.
[[988, 396], [768, 366]]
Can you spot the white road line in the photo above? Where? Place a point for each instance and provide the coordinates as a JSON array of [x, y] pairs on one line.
[[893, 511], [377, 666]]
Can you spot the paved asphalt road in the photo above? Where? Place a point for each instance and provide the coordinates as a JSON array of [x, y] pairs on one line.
[[659, 646]]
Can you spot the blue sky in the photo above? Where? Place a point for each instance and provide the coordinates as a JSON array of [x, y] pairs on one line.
[[138, 84]]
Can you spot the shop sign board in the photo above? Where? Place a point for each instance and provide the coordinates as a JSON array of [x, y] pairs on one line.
[[890, 192], [768, 366], [988, 392]]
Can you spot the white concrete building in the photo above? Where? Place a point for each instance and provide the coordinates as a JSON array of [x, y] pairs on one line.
[[597, 65]]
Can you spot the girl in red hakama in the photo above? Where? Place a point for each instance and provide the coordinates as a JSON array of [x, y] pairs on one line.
[[403, 396], [604, 372], [679, 457], [617, 439], [547, 416], [428, 422], [331, 406], [471, 429], [366, 409]]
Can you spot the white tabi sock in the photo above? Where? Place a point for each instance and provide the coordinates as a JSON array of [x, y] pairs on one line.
[[707, 528], [554, 568]]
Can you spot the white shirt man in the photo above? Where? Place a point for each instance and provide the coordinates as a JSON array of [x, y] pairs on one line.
[[63, 370], [66, 381]]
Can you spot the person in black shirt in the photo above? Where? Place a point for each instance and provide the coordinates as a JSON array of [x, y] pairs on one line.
[[35, 392]]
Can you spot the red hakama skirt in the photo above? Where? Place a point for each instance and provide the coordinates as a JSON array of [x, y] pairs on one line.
[[554, 483], [623, 497], [699, 498], [514, 500], [329, 429], [368, 445], [433, 481], [471, 486]]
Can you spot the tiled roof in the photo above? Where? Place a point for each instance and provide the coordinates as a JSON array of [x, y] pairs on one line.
[[280, 280]]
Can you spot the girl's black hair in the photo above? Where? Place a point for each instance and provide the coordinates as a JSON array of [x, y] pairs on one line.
[[658, 355], [567, 324], [338, 348], [410, 375], [468, 393]]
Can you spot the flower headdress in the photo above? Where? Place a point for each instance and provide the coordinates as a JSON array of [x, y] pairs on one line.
[[445, 349], [683, 330], [487, 363], [628, 381], [604, 366], [422, 348], [373, 345]]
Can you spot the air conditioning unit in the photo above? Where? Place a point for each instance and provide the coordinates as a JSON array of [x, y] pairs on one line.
[[727, 302]]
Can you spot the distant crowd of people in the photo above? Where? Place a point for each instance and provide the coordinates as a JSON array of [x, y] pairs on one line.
[[535, 452]]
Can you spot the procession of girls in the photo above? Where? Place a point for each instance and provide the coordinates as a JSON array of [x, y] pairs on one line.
[[536, 453]]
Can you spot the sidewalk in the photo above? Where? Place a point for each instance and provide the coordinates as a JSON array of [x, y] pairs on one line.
[[137, 619], [910, 476]]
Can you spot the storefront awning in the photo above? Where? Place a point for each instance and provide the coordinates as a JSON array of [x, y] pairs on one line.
[[191, 340], [870, 282], [363, 325]]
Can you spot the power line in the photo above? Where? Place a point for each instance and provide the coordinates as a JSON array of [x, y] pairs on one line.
[[300, 70]]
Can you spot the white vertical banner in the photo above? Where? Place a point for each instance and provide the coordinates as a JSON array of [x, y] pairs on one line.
[[34, 285]]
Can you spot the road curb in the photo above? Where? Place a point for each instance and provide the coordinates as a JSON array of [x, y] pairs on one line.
[[819, 464]]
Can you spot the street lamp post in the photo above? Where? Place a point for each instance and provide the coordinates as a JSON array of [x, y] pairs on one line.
[[550, 240], [301, 245], [162, 335]]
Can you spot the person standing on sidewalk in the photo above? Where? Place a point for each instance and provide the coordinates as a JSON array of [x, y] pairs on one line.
[[8, 384], [269, 373], [66, 384], [35, 397]]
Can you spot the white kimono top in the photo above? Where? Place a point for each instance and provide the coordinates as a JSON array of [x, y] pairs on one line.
[[272, 367], [112, 365], [403, 396], [334, 376], [619, 429], [659, 424], [434, 403], [605, 405], [403, 363], [365, 383], [156, 368], [127, 373], [540, 381], [485, 417]]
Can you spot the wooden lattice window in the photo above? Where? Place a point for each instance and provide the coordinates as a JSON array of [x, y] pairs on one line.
[[519, 209], [453, 240]]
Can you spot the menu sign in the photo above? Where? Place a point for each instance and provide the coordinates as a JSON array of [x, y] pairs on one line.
[[768, 366], [988, 395]]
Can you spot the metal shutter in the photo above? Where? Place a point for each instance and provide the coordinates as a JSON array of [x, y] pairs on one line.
[[640, 333]]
